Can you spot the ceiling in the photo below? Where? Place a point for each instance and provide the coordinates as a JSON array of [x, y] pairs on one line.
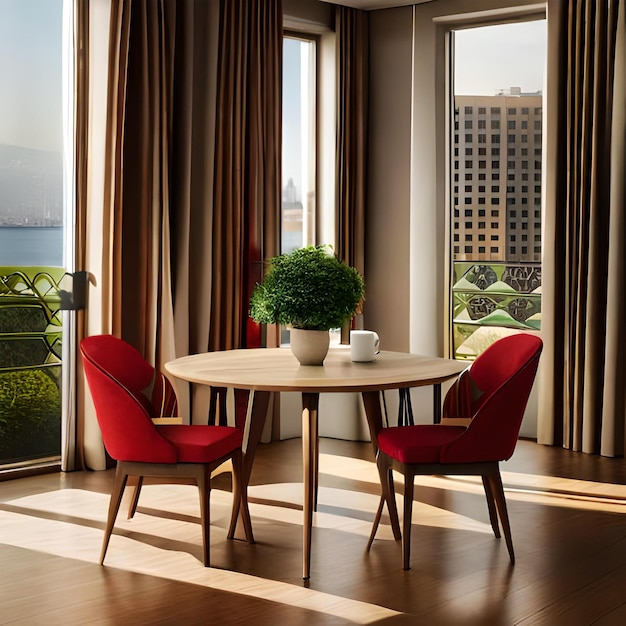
[[376, 4]]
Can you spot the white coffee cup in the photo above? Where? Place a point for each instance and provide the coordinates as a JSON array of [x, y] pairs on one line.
[[364, 345]]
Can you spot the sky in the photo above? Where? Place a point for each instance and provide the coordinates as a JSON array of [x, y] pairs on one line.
[[30, 73], [487, 59], [291, 113], [490, 58]]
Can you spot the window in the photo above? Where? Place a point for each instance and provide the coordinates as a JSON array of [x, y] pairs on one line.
[[299, 199], [478, 54], [32, 210]]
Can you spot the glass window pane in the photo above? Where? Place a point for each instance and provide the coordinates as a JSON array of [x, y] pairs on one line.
[[485, 58], [299, 134]]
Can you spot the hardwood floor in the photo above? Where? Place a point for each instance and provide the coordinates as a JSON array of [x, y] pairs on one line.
[[568, 519]]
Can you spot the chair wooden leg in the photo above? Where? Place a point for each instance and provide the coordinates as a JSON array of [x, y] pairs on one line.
[[406, 522], [121, 478], [491, 505], [379, 512], [203, 481], [132, 509], [498, 493], [391, 506], [240, 501], [388, 495]]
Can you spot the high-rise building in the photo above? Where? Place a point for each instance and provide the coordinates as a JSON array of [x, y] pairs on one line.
[[497, 177]]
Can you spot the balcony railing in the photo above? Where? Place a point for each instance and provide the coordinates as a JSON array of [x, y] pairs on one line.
[[30, 364], [491, 300]]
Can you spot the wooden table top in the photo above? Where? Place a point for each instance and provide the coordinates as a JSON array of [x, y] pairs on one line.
[[276, 369]]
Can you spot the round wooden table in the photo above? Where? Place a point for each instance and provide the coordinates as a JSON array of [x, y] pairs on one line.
[[267, 370]]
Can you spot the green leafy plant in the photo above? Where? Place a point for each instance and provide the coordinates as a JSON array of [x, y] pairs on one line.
[[309, 288]]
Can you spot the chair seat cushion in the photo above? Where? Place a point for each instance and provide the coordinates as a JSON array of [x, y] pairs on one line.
[[201, 444], [417, 444]]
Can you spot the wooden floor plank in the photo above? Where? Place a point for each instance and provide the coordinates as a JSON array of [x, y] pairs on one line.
[[568, 518]]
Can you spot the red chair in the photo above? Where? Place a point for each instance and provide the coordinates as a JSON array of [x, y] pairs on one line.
[[490, 397], [121, 384]]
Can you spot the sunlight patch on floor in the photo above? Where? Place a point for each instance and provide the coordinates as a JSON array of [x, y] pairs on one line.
[[23, 524], [522, 487]]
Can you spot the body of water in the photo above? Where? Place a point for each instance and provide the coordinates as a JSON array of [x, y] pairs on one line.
[[27, 246]]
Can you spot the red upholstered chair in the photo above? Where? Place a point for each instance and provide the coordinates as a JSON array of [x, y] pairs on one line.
[[490, 397], [121, 384]]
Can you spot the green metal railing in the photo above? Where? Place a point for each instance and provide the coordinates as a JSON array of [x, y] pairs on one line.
[[30, 364], [491, 300]]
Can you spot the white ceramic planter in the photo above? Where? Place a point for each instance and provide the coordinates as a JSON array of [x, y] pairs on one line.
[[310, 347]]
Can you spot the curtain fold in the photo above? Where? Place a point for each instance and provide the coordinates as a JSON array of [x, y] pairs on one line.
[[352, 34], [582, 401], [247, 183], [144, 312]]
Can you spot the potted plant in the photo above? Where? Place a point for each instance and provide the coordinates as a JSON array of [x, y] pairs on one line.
[[311, 291]]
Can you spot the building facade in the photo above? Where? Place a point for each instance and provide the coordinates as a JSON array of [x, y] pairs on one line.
[[497, 177]]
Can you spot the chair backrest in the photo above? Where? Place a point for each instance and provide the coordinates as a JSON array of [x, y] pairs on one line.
[[117, 376], [503, 377]]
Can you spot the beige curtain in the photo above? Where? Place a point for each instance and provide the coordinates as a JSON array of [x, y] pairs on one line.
[[352, 33], [583, 382], [247, 192], [191, 160], [352, 110], [139, 180]]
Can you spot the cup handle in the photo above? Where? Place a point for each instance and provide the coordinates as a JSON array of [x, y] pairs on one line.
[[376, 344]]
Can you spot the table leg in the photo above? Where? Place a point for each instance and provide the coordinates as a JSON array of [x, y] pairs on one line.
[[310, 404]]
